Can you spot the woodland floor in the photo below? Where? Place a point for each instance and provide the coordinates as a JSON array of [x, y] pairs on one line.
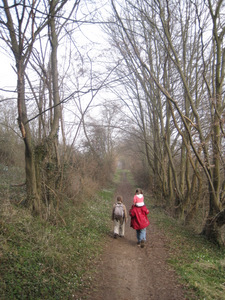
[[126, 271]]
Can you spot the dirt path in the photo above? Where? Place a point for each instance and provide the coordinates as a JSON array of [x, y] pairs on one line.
[[128, 272]]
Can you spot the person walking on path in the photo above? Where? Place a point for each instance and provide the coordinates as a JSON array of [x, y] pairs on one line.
[[139, 222], [119, 216]]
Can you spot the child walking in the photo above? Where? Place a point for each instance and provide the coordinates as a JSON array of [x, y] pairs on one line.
[[119, 216], [139, 222]]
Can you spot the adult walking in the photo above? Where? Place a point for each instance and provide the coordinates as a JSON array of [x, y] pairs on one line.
[[139, 222]]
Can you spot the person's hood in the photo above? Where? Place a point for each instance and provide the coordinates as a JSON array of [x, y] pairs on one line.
[[139, 196], [140, 204]]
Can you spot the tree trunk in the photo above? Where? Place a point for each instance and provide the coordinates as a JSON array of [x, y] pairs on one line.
[[216, 217], [33, 199], [212, 228]]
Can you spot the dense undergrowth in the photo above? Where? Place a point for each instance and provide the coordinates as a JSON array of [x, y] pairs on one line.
[[199, 263], [41, 260]]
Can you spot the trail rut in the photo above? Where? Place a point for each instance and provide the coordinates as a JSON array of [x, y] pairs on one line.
[[128, 272]]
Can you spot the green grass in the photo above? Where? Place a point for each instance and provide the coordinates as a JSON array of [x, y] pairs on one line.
[[39, 260], [42, 260], [200, 264]]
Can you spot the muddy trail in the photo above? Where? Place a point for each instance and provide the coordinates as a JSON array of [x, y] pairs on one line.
[[129, 272]]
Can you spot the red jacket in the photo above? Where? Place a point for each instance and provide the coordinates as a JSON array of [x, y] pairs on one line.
[[139, 219]]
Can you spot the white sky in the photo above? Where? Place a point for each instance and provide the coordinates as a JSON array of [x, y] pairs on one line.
[[89, 33], [7, 74], [89, 40]]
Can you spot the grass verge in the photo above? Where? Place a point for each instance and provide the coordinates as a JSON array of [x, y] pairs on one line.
[[199, 263], [39, 260]]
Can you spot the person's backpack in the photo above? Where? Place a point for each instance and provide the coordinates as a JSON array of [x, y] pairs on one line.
[[119, 212]]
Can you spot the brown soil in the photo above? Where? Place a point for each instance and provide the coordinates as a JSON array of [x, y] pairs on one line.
[[126, 271]]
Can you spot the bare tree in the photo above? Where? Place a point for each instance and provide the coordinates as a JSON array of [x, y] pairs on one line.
[[184, 83], [21, 25]]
